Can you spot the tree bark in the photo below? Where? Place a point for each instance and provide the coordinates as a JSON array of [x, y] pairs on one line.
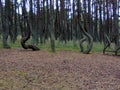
[[27, 37], [87, 38]]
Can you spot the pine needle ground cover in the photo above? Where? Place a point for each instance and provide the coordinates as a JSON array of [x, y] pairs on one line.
[[62, 70]]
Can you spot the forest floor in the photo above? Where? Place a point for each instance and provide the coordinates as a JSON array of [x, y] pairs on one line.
[[63, 70]]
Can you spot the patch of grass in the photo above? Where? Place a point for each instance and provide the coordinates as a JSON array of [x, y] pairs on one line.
[[14, 80], [2, 83], [68, 46], [97, 47]]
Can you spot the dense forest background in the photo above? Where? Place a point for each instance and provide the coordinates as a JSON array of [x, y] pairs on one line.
[[63, 20]]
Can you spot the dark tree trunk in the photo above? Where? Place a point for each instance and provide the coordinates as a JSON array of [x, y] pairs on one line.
[[0, 18], [101, 34], [27, 37], [51, 26], [14, 22], [5, 24]]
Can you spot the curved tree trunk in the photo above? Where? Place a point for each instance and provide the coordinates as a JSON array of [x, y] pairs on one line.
[[81, 42], [27, 37], [108, 42], [87, 38]]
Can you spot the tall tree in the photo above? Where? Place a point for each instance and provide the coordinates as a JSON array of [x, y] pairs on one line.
[[6, 24], [51, 25], [14, 21], [0, 17]]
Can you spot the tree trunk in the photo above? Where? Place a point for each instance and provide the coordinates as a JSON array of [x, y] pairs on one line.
[[87, 38], [27, 37], [5, 24]]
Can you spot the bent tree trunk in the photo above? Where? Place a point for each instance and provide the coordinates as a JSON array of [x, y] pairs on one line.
[[27, 37], [87, 37], [108, 41]]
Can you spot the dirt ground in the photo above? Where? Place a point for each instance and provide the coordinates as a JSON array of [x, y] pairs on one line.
[[63, 70]]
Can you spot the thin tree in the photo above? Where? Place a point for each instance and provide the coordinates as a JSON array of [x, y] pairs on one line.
[[5, 24]]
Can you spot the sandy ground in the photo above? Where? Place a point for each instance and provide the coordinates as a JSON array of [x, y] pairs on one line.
[[63, 70]]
